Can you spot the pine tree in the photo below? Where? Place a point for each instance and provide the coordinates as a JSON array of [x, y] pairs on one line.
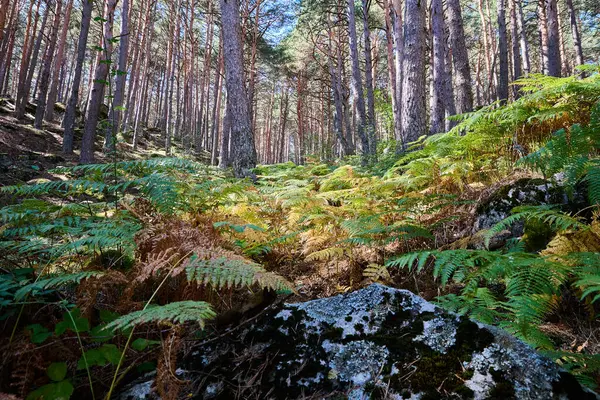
[[243, 153]]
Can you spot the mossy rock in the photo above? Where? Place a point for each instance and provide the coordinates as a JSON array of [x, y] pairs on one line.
[[525, 192], [374, 343]]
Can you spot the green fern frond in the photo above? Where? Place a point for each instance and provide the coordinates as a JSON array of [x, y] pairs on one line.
[[223, 272], [408, 260], [55, 282], [177, 312], [557, 220], [593, 180]]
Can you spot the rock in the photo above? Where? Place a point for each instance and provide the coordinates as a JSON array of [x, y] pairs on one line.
[[140, 389], [523, 192], [377, 342]]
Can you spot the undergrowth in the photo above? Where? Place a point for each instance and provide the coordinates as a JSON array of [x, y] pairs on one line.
[[110, 269]]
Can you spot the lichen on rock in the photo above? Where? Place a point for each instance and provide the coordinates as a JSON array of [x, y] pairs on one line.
[[377, 342]]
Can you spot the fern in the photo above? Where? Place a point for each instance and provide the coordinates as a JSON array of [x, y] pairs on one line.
[[557, 220], [408, 260], [529, 283], [587, 273], [54, 283], [177, 312], [223, 272]]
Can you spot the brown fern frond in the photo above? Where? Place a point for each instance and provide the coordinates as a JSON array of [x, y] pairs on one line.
[[168, 385], [26, 365], [103, 290]]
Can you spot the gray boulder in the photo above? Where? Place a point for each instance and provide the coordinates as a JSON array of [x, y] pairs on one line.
[[531, 192], [375, 343]]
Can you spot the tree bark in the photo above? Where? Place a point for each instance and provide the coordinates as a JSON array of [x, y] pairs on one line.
[[116, 108], [524, 45], [69, 119], [575, 33], [7, 45], [4, 7], [460, 58], [44, 79], [29, 67], [502, 89], [516, 53], [357, 88], [243, 152], [398, 57], [487, 47], [554, 63], [96, 99], [225, 159], [58, 63], [370, 122], [392, 72], [217, 108], [169, 105], [414, 113], [438, 110]]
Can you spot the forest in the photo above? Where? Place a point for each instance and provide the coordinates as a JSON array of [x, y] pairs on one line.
[[186, 185]]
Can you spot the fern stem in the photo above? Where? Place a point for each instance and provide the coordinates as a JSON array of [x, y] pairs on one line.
[[115, 376], [14, 330], [87, 367]]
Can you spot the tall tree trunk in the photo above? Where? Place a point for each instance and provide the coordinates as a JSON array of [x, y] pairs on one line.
[[26, 49], [487, 47], [204, 84], [502, 89], [69, 118], [44, 78], [336, 90], [252, 78], [449, 101], [575, 33], [565, 68], [337, 101], [143, 77], [370, 122], [27, 74], [116, 108], [300, 90], [96, 99], [7, 47], [4, 7], [243, 152], [357, 88], [523, 38], [438, 110], [398, 57], [392, 71], [543, 31], [225, 159], [169, 107], [554, 64], [460, 58], [217, 108], [58, 63], [283, 113], [414, 113], [138, 48], [514, 37]]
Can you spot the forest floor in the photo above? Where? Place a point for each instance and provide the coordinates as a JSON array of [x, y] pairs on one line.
[[325, 228], [27, 153]]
